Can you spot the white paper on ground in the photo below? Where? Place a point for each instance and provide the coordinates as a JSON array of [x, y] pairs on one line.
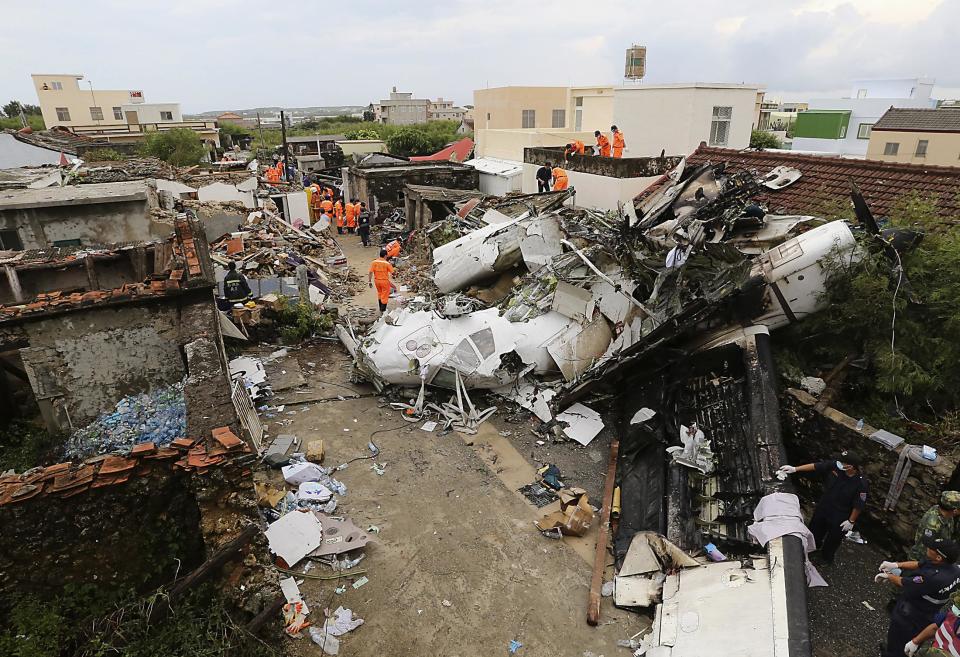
[[583, 422], [297, 473], [294, 536], [292, 593]]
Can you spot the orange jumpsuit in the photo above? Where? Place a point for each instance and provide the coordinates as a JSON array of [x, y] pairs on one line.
[[618, 144], [559, 179], [351, 213], [578, 148], [352, 217], [381, 270], [316, 205], [393, 249], [338, 212], [604, 145]]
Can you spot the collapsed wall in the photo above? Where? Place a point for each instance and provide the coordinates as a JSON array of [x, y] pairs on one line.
[[813, 434]]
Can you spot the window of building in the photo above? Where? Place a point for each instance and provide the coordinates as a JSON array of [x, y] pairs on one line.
[[118, 113], [166, 116], [861, 93], [63, 114], [843, 132], [922, 148], [56, 86], [62, 243], [863, 130], [720, 125], [528, 119], [488, 116], [559, 118], [96, 113], [10, 241], [891, 148]]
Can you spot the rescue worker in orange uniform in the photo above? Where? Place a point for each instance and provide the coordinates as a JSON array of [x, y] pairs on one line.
[[338, 210], [352, 220], [393, 249], [574, 148], [603, 144], [328, 193], [327, 205], [316, 204], [380, 276], [350, 213], [356, 208], [559, 179], [618, 143]]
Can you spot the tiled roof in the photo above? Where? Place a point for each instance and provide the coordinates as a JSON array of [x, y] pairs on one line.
[[63, 480], [920, 120], [159, 284], [458, 151], [826, 180]]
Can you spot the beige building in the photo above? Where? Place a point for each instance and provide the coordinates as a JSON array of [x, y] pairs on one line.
[[917, 136], [117, 116], [590, 108], [403, 109], [509, 144], [520, 107]]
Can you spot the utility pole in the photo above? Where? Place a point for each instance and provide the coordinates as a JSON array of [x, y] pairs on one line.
[[283, 134]]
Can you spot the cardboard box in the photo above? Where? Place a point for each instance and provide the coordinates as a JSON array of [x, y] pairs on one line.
[[575, 515], [315, 451]]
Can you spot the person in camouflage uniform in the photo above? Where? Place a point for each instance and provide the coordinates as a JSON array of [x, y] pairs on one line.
[[939, 521], [943, 632]]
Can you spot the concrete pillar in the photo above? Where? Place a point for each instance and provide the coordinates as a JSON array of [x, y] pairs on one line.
[[303, 286]]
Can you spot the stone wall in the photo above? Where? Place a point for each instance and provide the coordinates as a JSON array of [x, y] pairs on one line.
[[127, 536], [93, 224], [813, 435], [379, 185], [631, 167]]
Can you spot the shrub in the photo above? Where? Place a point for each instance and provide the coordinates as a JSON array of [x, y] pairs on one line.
[[764, 139], [301, 320], [103, 155], [180, 147]]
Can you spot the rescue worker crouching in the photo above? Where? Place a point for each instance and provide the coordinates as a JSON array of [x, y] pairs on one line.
[[380, 276]]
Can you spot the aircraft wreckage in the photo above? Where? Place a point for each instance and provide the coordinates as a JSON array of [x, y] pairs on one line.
[[664, 315]]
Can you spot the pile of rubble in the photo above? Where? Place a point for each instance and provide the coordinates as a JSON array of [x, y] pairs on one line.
[[269, 247], [536, 300]]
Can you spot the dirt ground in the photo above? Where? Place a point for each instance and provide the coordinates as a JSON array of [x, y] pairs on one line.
[[452, 526]]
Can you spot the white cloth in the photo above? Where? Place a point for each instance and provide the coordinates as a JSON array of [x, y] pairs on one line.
[[778, 514]]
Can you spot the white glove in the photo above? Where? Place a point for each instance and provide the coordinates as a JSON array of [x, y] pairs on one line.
[[888, 566], [880, 577], [787, 469], [910, 649], [846, 526]]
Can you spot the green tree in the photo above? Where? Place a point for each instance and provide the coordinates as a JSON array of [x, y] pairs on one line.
[[233, 129], [180, 147], [410, 141], [362, 133], [12, 109], [764, 139]]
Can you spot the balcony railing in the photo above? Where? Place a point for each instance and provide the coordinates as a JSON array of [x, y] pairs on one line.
[[108, 130]]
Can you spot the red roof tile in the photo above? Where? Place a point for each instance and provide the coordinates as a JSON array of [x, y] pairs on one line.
[[458, 151], [826, 180]]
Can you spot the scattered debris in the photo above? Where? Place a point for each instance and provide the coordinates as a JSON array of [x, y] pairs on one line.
[[294, 536], [574, 517]]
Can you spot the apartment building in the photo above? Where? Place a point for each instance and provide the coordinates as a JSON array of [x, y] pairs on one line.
[[843, 125], [507, 108], [917, 136]]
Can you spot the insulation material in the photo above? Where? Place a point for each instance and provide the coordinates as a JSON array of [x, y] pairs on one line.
[[578, 347], [573, 302], [540, 241]]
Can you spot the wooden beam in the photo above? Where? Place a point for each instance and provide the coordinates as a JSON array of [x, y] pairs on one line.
[[600, 557], [270, 611], [92, 281], [213, 564], [14, 280]]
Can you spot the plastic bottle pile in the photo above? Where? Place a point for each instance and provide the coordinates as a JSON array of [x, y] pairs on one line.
[[159, 416]]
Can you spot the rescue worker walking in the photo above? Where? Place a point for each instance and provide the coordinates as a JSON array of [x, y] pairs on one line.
[[844, 498], [352, 219], [603, 144], [618, 143], [381, 277], [235, 286], [939, 521], [544, 174], [929, 586], [363, 226], [559, 179]]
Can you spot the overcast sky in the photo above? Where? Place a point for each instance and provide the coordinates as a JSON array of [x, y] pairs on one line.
[[234, 54]]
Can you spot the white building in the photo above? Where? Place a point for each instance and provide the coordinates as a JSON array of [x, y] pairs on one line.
[[842, 125], [676, 117], [498, 177]]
